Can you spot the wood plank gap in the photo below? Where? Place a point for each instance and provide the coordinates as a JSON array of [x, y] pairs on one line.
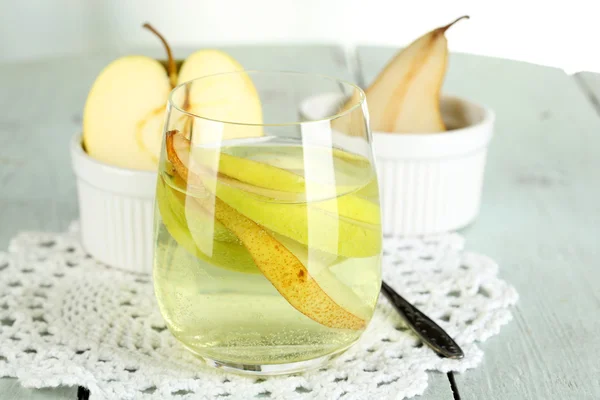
[[83, 393], [588, 92], [354, 66], [453, 386]]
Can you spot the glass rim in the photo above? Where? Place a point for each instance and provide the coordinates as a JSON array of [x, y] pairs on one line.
[[332, 117]]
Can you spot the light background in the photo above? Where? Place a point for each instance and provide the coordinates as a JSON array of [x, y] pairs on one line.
[[561, 33]]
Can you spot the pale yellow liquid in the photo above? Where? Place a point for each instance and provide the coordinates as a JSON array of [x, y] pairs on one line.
[[230, 312]]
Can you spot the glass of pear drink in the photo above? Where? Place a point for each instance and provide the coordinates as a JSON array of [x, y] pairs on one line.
[[268, 231]]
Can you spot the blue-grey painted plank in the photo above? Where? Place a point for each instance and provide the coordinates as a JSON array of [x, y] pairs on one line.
[[540, 220]]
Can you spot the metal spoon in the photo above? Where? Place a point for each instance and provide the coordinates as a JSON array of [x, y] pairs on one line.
[[429, 332]]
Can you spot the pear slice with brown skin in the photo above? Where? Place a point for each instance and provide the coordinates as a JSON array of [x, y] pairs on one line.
[[280, 266], [405, 96]]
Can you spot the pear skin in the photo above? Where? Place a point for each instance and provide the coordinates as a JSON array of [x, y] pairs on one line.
[[285, 272], [320, 267]]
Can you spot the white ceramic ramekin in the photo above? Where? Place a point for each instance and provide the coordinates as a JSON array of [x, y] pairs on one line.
[[430, 182], [116, 207]]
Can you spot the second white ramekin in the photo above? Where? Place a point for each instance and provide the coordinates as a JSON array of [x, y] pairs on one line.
[[430, 182]]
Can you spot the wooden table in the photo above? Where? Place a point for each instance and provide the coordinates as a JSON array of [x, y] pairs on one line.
[[540, 217]]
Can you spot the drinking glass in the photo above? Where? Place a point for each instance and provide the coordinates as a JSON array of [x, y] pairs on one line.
[[267, 228]]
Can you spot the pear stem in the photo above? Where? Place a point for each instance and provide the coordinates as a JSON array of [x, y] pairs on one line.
[[171, 67], [445, 28]]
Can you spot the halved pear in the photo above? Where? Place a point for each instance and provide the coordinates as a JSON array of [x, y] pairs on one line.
[[280, 266], [228, 97], [125, 109], [126, 106], [310, 225], [129, 91], [405, 96]]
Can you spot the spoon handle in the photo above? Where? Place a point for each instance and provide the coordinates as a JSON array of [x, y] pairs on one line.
[[430, 332]]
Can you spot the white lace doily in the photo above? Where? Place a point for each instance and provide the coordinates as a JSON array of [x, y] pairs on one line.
[[68, 320]]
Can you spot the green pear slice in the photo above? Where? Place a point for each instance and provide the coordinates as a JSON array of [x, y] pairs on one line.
[[127, 93], [280, 266], [197, 218], [283, 185], [309, 225], [177, 220]]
